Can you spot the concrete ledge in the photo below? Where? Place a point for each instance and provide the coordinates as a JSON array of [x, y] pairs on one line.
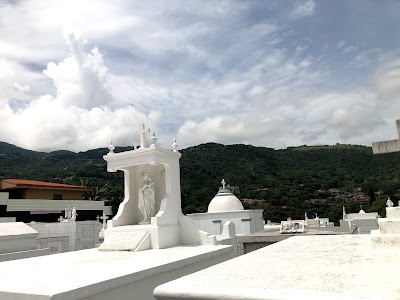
[[24, 254], [92, 274]]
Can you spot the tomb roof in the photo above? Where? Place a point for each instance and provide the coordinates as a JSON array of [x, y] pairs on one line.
[[22, 183], [224, 201]]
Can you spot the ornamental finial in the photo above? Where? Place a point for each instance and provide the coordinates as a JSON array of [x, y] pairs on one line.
[[153, 140], [111, 147], [175, 146]]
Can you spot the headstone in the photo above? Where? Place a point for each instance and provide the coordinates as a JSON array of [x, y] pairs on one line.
[[104, 218], [229, 229], [294, 226]]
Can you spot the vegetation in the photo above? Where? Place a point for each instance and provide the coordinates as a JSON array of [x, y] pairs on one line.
[[286, 179]]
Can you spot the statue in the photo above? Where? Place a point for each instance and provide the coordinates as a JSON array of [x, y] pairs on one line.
[[389, 203], [74, 214], [67, 214], [146, 199], [344, 211]]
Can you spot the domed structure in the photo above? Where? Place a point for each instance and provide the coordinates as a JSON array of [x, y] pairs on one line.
[[224, 201]]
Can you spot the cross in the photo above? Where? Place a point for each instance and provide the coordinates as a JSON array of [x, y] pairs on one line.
[[142, 132], [60, 219], [104, 218], [223, 184], [388, 146]]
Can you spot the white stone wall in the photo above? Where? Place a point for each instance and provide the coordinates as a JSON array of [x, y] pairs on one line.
[[67, 236], [246, 221], [386, 147], [8, 219]]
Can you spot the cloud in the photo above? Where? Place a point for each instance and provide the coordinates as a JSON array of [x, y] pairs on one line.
[[259, 72], [303, 8], [387, 80], [80, 78], [345, 47], [78, 117]]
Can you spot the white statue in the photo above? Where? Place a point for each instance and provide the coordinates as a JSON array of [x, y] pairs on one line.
[[74, 214], [344, 211], [146, 199], [389, 203], [68, 213]]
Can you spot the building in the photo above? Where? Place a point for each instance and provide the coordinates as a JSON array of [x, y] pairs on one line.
[[31, 200], [32, 189], [225, 207]]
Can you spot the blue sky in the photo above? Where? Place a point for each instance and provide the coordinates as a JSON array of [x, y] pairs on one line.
[[76, 74]]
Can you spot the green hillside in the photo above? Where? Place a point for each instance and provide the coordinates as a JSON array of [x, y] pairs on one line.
[[291, 181]]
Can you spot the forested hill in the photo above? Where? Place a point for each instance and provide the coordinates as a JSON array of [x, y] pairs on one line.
[[287, 179]]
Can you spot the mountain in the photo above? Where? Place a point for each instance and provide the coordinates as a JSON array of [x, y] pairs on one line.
[[8, 149], [286, 179]]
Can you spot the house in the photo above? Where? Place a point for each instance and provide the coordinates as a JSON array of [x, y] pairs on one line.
[[33, 189], [31, 200]]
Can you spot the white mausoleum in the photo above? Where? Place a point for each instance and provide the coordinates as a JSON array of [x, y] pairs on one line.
[[225, 207]]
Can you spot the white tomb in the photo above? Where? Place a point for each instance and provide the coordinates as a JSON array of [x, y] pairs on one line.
[[365, 222], [388, 234], [304, 267], [174, 247], [150, 214], [67, 236], [18, 240], [225, 207]]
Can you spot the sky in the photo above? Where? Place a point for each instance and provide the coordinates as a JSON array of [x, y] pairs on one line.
[[76, 74]]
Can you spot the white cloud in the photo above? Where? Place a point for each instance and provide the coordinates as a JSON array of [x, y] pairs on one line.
[[387, 80], [80, 78], [345, 47], [303, 8], [225, 71], [78, 117]]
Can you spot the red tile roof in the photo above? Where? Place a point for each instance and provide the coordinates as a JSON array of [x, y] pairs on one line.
[[35, 183]]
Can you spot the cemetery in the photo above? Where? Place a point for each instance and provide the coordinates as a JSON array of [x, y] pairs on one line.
[[151, 250]]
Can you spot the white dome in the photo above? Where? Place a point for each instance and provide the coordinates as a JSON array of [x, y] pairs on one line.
[[224, 201]]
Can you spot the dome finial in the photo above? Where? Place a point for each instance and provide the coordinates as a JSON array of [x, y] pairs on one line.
[[223, 182]]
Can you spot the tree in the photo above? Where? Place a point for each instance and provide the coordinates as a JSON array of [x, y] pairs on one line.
[[371, 195]]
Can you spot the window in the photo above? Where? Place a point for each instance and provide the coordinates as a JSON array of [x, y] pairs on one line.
[[57, 197]]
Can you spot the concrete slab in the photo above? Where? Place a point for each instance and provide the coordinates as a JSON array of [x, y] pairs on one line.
[[302, 267], [93, 274]]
